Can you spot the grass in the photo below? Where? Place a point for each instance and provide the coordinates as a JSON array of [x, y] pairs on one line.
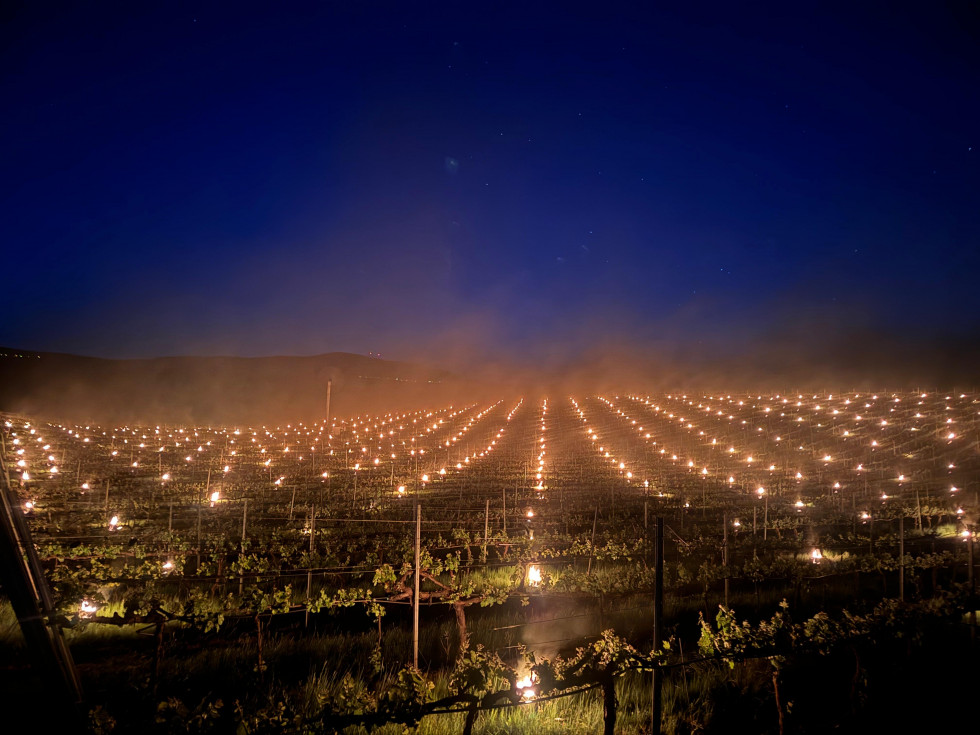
[[329, 664], [307, 673], [11, 638]]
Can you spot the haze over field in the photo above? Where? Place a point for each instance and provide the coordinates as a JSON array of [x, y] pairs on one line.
[[229, 390], [278, 390]]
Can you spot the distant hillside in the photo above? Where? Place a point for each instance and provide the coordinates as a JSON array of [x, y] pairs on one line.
[[206, 390]]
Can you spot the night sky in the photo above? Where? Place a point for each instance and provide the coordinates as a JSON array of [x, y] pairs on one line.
[[526, 181]]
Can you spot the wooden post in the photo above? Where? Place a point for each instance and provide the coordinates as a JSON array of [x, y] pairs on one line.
[[241, 574], [415, 596], [504, 493], [646, 534], [608, 704], [658, 625], [486, 529], [901, 557], [198, 535], [724, 553], [969, 569], [595, 520], [309, 570], [329, 388], [765, 519], [972, 586]]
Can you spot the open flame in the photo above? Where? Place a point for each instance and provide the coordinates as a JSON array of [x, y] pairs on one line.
[[534, 575], [525, 686]]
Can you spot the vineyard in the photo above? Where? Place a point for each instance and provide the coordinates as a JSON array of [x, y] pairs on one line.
[[613, 563]]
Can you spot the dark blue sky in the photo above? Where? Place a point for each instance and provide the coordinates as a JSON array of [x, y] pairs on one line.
[[238, 178]]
